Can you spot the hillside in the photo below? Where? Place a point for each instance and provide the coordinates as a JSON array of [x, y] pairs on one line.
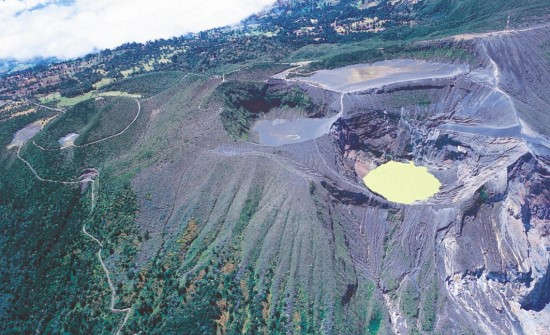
[[214, 183]]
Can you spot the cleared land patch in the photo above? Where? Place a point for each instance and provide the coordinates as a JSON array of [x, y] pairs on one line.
[[403, 183], [62, 101]]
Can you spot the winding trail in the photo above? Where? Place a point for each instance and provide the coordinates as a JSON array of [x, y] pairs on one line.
[[92, 237], [38, 176], [496, 84], [48, 107], [287, 164], [114, 135], [523, 134], [534, 139], [128, 310], [507, 31], [96, 141], [112, 305]]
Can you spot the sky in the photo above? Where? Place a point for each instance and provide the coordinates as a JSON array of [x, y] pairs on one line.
[[72, 28]]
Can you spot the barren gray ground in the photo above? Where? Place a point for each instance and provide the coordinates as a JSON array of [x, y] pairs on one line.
[[361, 77], [476, 253], [479, 135]]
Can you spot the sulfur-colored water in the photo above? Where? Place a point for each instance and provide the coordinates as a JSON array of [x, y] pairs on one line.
[[403, 183]]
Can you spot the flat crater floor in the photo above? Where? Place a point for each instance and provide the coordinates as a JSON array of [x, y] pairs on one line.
[[404, 183], [282, 131], [365, 76]]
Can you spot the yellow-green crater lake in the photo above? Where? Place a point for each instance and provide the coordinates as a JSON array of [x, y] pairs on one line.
[[403, 183]]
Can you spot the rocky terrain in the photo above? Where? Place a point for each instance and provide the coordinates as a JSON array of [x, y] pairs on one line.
[[472, 259], [158, 206], [482, 243]]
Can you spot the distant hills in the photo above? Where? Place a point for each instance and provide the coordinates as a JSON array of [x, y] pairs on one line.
[[8, 66], [301, 22], [216, 183]]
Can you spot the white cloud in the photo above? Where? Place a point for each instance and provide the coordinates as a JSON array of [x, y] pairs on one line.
[[67, 29]]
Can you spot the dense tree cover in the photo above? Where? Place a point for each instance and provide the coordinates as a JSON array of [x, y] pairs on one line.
[[273, 35], [51, 280], [147, 84], [180, 294], [75, 84], [50, 277], [368, 54]]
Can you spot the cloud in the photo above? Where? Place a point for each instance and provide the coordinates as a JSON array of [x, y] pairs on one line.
[[72, 28]]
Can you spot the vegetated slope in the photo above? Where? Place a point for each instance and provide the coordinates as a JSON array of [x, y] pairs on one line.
[[51, 281], [8, 66], [206, 234], [271, 35]]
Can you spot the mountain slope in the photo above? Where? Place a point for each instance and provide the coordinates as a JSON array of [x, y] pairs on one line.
[[168, 214]]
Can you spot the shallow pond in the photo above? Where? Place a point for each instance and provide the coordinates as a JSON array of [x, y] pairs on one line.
[[284, 131], [403, 183]]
